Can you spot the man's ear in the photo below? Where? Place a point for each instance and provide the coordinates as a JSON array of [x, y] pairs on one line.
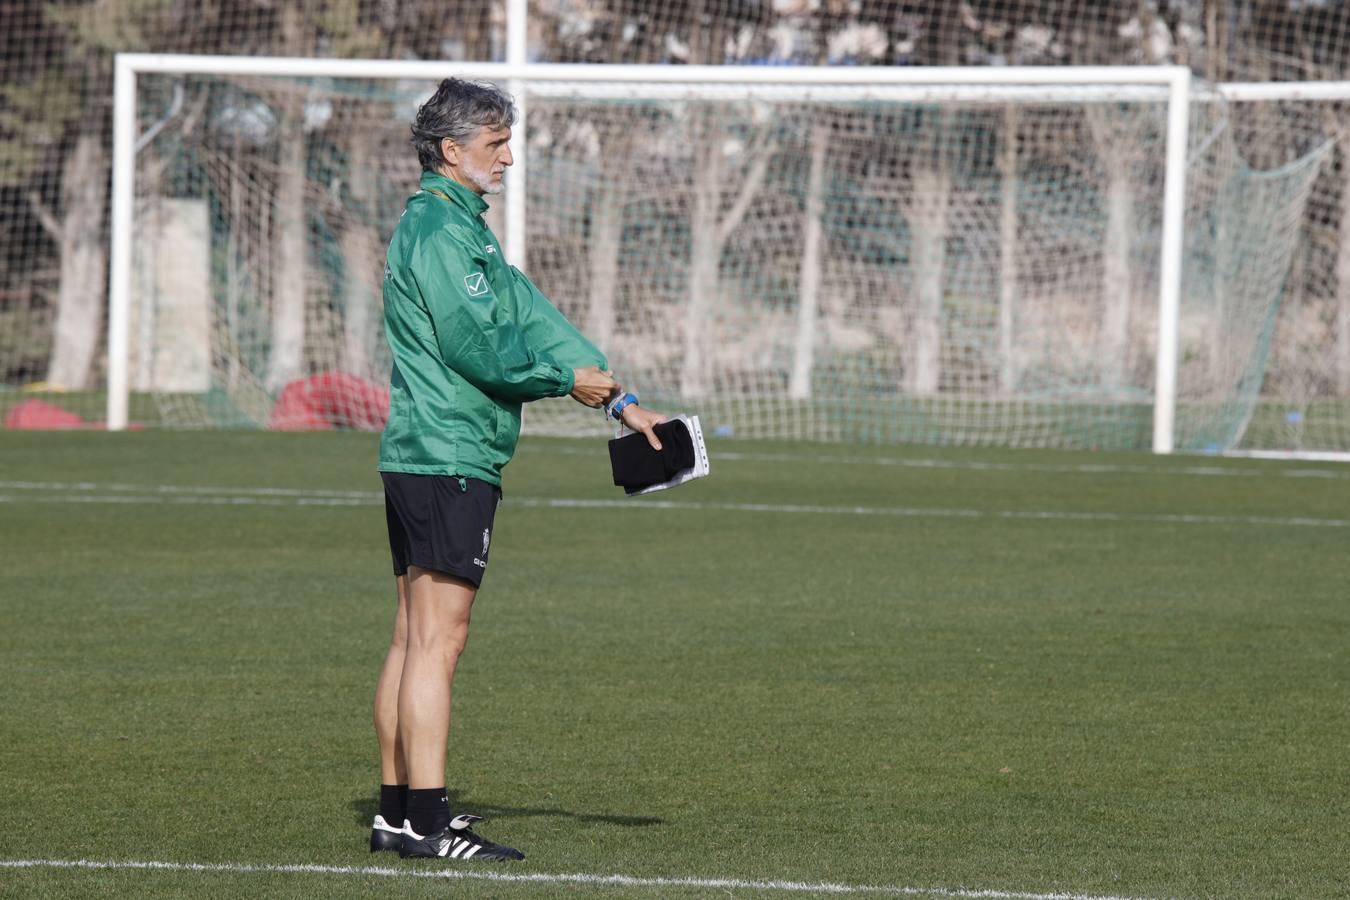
[[450, 151]]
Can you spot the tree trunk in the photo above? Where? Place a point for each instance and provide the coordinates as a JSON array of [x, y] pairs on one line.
[[362, 263], [705, 258], [1226, 266], [711, 230], [1343, 277], [290, 221], [1216, 43], [360, 298], [288, 269], [928, 210], [82, 291], [1007, 260], [799, 387], [234, 271], [1116, 275], [606, 232]]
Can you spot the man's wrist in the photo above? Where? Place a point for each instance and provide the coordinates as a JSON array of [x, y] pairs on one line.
[[615, 407]]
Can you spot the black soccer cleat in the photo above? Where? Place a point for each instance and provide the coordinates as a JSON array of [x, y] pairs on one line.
[[384, 836], [455, 841]]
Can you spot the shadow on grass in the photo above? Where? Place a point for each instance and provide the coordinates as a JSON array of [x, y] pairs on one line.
[[365, 809]]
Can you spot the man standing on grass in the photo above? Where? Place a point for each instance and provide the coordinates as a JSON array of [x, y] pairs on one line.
[[473, 339]]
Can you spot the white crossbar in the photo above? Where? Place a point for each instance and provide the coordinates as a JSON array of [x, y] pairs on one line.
[[188, 64]]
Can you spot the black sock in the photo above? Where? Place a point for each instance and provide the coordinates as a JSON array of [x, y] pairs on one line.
[[394, 804], [428, 810]]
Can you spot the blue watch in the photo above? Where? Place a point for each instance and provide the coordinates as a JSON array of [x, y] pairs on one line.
[[617, 407]]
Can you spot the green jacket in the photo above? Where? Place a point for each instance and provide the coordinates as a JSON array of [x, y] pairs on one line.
[[473, 339]]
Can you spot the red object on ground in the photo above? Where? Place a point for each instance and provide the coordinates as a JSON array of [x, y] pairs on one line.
[[328, 401], [38, 415]]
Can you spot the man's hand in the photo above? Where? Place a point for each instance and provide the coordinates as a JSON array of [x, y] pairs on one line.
[[638, 419], [593, 387]]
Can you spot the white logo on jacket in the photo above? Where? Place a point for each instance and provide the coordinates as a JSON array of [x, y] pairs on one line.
[[476, 284]]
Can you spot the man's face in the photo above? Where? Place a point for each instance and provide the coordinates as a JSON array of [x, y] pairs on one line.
[[480, 164]]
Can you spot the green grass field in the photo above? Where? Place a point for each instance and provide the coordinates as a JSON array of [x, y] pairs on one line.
[[904, 669]]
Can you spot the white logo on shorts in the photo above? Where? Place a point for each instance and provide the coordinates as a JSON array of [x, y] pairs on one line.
[[479, 562], [476, 284]]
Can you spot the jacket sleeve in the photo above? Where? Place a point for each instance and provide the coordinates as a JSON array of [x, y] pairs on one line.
[[548, 330], [474, 339]]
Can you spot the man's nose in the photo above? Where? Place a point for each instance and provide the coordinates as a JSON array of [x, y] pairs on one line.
[[507, 158]]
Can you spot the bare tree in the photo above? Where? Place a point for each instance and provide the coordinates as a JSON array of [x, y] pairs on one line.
[[1113, 129], [78, 232], [1342, 337], [76, 223], [809, 275], [927, 207], [614, 147], [1312, 41], [289, 217], [362, 257], [712, 222], [1007, 251]]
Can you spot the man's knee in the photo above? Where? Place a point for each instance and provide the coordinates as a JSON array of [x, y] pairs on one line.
[[439, 609], [446, 639], [398, 643]]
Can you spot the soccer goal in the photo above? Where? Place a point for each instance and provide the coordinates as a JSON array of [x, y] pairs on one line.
[[1051, 257]]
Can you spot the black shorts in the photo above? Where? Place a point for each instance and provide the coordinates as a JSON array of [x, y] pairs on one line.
[[436, 524]]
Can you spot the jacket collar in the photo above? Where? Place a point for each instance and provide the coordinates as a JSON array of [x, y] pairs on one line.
[[456, 192]]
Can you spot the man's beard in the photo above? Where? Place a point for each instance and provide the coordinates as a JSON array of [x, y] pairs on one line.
[[482, 179]]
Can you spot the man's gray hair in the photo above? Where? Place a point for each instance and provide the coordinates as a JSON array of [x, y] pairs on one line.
[[457, 111]]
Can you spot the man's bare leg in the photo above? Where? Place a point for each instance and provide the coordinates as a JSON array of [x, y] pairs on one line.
[[438, 628], [393, 767], [386, 831]]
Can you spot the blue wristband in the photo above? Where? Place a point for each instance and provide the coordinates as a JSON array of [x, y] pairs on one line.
[[618, 406]]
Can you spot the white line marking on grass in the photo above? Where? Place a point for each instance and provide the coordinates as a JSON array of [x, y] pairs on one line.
[[125, 487], [1051, 468], [839, 459], [175, 495], [551, 878], [937, 513]]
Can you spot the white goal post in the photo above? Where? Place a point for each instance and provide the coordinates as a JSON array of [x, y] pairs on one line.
[[1170, 85]]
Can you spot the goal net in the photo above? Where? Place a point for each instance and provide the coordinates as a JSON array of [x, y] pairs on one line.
[[948, 264], [1304, 407]]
